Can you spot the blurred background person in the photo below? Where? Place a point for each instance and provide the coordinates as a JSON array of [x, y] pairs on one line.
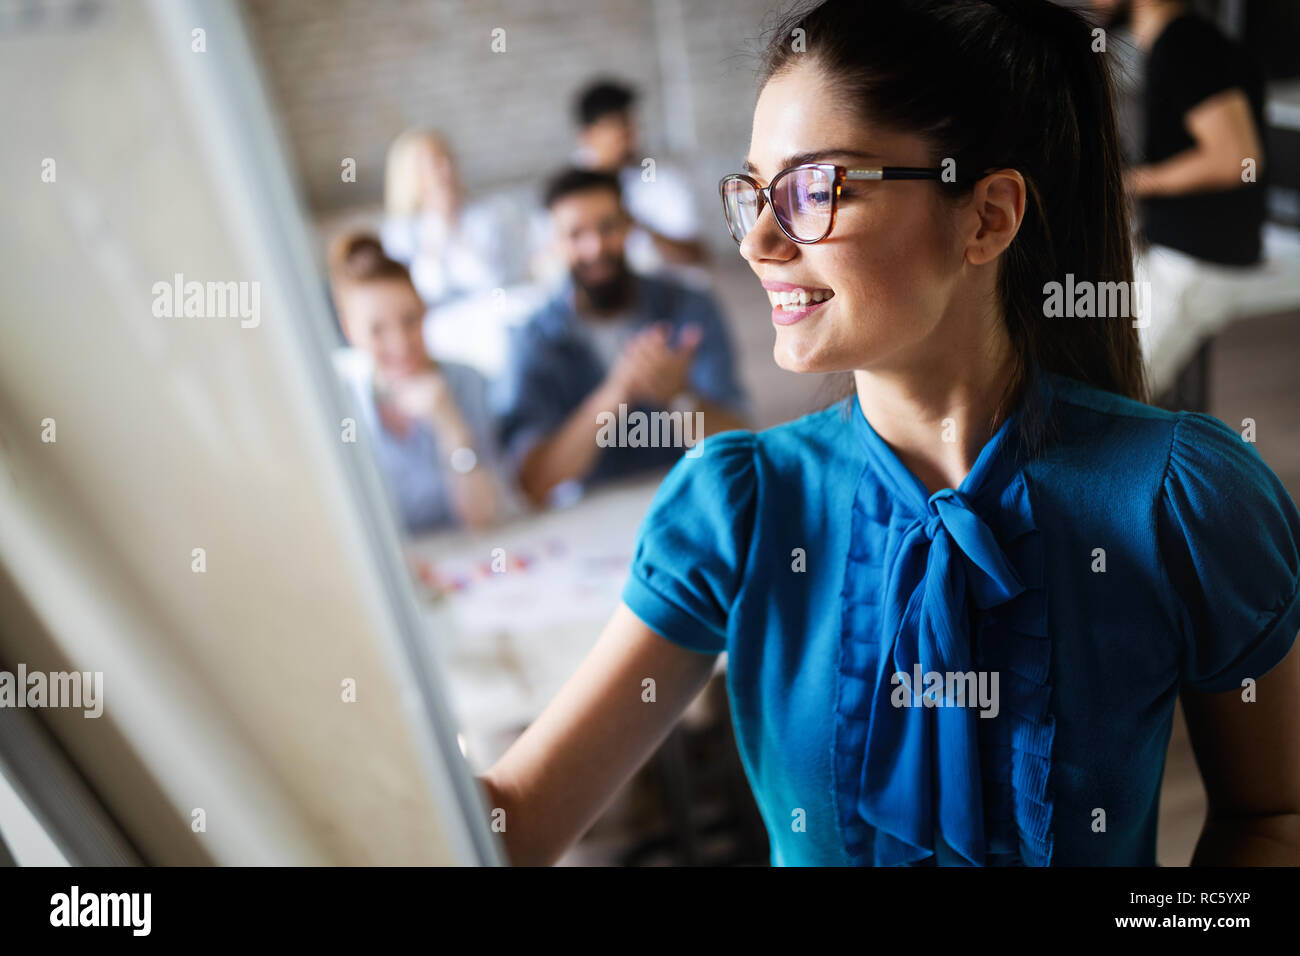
[[428, 422], [659, 200], [1200, 186], [607, 338], [452, 248], [1204, 113]]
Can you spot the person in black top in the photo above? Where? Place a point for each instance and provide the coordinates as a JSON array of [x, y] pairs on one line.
[[1201, 185]]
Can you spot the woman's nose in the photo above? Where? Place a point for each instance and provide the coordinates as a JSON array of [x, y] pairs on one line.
[[765, 240]]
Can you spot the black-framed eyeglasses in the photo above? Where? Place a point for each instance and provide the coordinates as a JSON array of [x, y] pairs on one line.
[[803, 198]]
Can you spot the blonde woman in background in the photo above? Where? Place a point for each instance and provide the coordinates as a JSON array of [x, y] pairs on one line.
[[451, 247]]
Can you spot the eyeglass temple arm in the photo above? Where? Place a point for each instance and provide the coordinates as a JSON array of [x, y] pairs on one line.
[[894, 172]]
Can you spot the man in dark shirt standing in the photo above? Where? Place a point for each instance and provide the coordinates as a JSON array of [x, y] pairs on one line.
[[1200, 186], [1201, 183]]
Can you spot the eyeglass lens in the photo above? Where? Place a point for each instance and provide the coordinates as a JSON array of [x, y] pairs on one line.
[[802, 200]]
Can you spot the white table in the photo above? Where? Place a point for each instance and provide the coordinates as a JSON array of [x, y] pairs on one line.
[[508, 640]]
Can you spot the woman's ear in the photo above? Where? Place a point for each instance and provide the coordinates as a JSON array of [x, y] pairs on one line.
[[999, 201]]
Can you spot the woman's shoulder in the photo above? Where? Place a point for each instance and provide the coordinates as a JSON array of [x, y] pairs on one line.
[[1118, 441], [1194, 494], [1084, 400], [1216, 470], [695, 541], [1113, 436], [810, 442], [823, 427], [1179, 440], [1212, 491], [726, 466], [741, 478], [1229, 540]]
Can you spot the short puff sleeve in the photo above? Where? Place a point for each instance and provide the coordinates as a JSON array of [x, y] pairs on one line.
[[1230, 539], [692, 546]]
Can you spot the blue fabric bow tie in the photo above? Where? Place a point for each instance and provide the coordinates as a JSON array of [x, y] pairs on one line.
[[931, 754]]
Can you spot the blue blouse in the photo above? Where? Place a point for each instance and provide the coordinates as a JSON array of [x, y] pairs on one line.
[[980, 676]]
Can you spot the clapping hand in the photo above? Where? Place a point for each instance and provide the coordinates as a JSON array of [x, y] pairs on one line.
[[652, 371]]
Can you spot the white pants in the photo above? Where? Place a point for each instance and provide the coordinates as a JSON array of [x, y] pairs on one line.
[[1188, 301]]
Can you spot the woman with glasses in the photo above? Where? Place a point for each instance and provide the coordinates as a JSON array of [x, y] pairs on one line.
[[958, 605]]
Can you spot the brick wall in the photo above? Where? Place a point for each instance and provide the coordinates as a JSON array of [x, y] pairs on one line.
[[348, 75]]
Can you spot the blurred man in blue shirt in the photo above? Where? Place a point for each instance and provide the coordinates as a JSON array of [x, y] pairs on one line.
[[610, 353]]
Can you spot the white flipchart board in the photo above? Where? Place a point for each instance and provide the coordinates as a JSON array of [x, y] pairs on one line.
[[223, 689]]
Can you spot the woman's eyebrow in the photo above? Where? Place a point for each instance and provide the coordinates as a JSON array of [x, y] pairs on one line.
[[815, 156]]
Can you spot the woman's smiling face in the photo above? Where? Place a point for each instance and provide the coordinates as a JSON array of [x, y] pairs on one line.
[[893, 262]]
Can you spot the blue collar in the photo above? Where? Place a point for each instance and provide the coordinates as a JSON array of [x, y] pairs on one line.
[[999, 459], [921, 787]]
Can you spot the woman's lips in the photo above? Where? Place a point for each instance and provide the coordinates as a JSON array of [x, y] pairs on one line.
[[784, 316], [792, 303]]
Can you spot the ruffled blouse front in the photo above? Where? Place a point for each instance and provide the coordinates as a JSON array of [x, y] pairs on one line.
[[949, 583], [1165, 549]]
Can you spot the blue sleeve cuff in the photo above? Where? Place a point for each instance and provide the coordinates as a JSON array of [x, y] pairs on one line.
[[1265, 653], [669, 621]]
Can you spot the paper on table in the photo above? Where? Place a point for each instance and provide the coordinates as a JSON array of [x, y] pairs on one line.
[[529, 626]]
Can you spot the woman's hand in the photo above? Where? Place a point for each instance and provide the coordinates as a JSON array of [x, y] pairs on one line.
[[425, 396], [428, 397], [555, 780]]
